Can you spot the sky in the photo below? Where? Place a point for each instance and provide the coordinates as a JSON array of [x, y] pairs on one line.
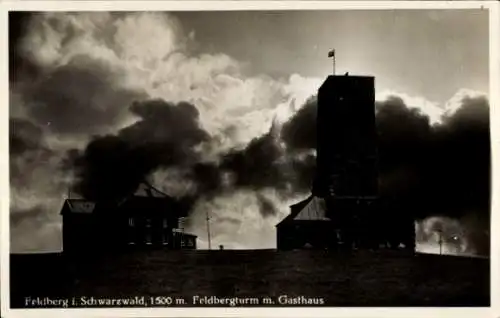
[[217, 109], [423, 53]]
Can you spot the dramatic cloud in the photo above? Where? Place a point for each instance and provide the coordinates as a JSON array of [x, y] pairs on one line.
[[101, 101], [165, 134], [38, 182], [78, 97], [76, 75], [299, 133], [439, 169], [24, 136]]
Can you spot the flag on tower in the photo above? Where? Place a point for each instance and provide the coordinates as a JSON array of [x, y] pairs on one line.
[[331, 53]]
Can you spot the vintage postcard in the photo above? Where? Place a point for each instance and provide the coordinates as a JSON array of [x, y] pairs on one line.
[[253, 159]]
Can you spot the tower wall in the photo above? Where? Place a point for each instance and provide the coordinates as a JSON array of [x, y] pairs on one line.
[[346, 132], [347, 173]]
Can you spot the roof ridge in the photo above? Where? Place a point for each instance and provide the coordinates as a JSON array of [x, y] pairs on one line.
[[153, 188], [302, 206]]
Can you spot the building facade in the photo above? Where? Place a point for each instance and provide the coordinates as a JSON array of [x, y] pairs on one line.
[[346, 182], [146, 219], [305, 226]]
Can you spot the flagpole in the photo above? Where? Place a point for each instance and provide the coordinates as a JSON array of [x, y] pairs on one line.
[[208, 231], [440, 242], [332, 55], [333, 62]]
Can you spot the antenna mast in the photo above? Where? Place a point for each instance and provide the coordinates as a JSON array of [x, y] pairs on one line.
[[440, 241], [208, 231]]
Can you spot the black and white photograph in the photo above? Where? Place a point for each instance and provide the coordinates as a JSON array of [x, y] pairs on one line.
[[246, 158]]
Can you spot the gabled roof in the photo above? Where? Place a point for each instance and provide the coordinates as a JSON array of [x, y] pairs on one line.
[[78, 206], [143, 191], [315, 210], [147, 190], [302, 204], [310, 209]]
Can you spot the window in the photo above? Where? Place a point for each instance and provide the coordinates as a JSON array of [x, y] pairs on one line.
[[131, 222], [148, 239], [148, 222], [165, 223]]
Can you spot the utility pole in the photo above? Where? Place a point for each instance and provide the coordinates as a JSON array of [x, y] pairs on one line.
[[440, 242], [208, 231]]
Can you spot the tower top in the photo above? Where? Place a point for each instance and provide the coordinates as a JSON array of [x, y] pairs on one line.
[[346, 82]]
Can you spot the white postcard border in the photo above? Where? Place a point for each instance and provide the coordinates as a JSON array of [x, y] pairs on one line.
[[494, 98]]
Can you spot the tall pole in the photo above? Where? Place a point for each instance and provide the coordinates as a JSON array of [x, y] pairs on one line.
[[208, 231], [333, 61], [332, 55], [440, 243]]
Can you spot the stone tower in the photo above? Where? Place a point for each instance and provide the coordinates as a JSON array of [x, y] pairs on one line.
[[346, 161]]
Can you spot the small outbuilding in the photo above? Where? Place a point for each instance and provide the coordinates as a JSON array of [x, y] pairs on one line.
[[307, 226]]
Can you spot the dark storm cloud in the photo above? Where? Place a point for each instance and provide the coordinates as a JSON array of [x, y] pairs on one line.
[[299, 133], [78, 97], [438, 170], [403, 134], [23, 136], [303, 167], [461, 180], [84, 97], [19, 66], [425, 169], [256, 166], [112, 166], [264, 163], [208, 177], [266, 206], [441, 167], [164, 122], [166, 135]]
